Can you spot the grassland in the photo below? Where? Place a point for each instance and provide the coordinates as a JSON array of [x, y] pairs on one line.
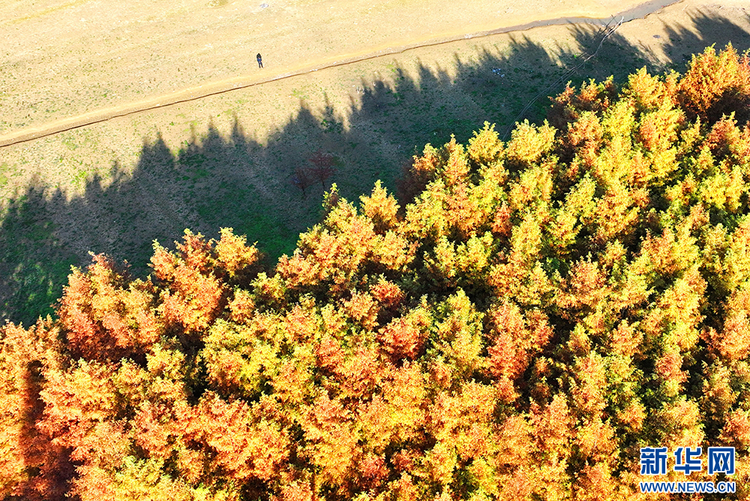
[[228, 160]]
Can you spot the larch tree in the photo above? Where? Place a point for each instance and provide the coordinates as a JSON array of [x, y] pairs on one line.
[[529, 316]]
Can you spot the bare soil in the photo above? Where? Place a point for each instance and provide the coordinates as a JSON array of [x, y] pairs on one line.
[[229, 159]]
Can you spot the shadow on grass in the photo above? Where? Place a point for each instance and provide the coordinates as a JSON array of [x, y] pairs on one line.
[[234, 181]]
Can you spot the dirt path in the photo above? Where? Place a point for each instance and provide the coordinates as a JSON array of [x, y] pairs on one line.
[[190, 93]]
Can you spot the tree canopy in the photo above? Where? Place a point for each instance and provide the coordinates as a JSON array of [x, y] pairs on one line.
[[529, 316]]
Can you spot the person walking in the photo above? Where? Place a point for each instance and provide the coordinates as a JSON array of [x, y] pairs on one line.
[[260, 60]]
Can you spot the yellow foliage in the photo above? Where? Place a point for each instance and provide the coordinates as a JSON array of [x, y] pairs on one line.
[[485, 148], [529, 143]]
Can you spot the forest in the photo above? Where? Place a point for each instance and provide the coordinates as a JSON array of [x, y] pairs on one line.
[[516, 323]]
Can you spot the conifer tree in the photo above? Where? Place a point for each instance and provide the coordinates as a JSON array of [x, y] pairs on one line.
[[534, 313]]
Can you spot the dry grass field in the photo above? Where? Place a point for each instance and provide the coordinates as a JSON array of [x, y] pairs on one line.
[[63, 58], [229, 159]]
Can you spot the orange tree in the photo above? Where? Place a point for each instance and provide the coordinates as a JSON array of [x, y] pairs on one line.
[[538, 312]]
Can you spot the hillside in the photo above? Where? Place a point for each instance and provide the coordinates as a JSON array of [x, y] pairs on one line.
[[229, 159], [532, 314]]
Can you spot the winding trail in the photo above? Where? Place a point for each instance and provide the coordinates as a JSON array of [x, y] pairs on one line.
[[242, 82]]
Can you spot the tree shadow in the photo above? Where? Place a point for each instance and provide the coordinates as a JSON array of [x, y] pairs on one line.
[[708, 30], [235, 180]]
